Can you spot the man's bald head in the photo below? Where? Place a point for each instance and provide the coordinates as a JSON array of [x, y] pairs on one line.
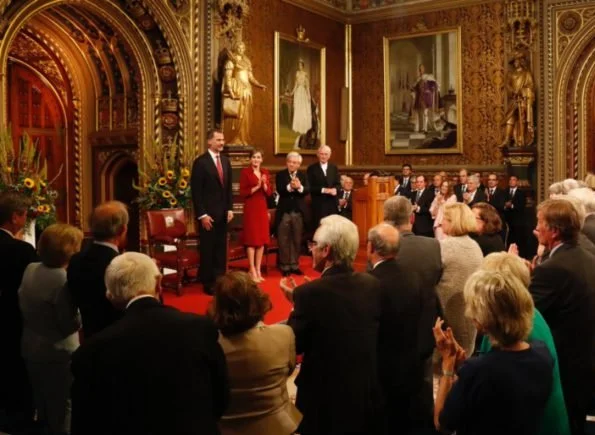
[[109, 220], [384, 240]]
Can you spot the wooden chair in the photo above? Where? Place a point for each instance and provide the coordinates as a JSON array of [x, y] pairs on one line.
[[168, 227]]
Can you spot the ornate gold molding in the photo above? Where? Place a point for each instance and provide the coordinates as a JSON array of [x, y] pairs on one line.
[[379, 13]]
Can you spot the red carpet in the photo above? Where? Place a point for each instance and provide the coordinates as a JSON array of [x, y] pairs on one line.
[[193, 299]]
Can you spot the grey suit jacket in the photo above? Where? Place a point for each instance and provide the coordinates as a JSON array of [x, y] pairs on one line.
[[259, 361], [50, 319]]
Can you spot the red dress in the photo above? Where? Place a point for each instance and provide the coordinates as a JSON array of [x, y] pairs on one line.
[[256, 215]]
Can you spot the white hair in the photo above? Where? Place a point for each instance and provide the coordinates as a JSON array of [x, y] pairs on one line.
[[294, 154], [340, 234], [325, 147], [129, 275], [586, 196], [474, 179], [577, 204]]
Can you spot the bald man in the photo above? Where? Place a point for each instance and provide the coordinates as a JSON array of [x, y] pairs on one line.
[[400, 369], [325, 183], [86, 271]]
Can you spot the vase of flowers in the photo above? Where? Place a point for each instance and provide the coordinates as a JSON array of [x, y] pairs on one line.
[[165, 182], [25, 172]]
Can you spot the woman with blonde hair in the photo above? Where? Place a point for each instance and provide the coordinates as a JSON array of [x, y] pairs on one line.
[[259, 357], [513, 381], [555, 418], [50, 326], [445, 196], [461, 256]]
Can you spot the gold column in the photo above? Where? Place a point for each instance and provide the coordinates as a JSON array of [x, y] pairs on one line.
[[348, 83]]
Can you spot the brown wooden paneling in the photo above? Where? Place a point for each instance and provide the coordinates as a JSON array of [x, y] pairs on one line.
[[264, 21], [483, 73]]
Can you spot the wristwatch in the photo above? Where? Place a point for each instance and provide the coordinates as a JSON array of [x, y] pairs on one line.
[[448, 373]]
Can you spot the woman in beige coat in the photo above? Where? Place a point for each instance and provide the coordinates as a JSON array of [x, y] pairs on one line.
[[259, 357]]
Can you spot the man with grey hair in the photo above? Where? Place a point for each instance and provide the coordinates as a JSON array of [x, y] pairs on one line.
[[336, 320], [154, 363], [587, 197], [474, 194], [420, 257], [109, 226], [292, 186], [325, 183], [401, 371]]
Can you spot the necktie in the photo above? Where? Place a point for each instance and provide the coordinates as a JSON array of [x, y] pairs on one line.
[[491, 192], [511, 192], [464, 188], [219, 168], [418, 196]]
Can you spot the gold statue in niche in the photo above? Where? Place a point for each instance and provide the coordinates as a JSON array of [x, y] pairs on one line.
[[520, 87], [237, 97]]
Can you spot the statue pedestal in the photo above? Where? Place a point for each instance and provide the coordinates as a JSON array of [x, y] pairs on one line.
[[520, 161], [239, 155]]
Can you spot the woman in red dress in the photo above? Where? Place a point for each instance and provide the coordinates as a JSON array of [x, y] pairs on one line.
[[255, 187]]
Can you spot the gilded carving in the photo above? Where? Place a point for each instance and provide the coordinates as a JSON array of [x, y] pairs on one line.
[[569, 23], [231, 18]]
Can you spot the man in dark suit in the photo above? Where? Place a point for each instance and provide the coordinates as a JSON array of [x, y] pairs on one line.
[[15, 391], [496, 197], [86, 270], [401, 371], [213, 207], [292, 186], [346, 198], [461, 188], [422, 200], [155, 371], [473, 195], [563, 288], [407, 179], [587, 198], [325, 182], [335, 321], [399, 189], [514, 213], [420, 257]]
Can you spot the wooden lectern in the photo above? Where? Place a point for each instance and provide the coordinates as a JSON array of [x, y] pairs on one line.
[[368, 204]]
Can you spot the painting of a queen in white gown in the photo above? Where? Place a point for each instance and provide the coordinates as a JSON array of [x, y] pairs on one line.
[[299, 95]]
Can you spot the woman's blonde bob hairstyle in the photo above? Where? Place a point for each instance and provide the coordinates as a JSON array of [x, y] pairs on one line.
[[461, 218], [507, 264], [501, 304]]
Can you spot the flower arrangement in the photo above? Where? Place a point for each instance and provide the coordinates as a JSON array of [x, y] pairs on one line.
[[165, 183], [26, 173]]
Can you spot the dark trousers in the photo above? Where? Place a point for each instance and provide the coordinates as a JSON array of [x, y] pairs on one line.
[[213, 253], [289, 233]]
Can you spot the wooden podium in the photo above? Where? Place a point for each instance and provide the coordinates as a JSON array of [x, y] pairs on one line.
[[368, 204]]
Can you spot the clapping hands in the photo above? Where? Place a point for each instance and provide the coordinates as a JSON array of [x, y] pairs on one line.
[[451, 352], [288, 285]]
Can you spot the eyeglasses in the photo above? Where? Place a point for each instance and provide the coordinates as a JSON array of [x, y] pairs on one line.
[[313, 244]]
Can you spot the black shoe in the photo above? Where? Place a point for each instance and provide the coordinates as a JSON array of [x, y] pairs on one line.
[[297, 272], [286, 273], [208, 290]]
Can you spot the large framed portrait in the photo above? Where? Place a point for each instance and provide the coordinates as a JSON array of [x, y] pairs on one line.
[[422, 93], [300, 90]]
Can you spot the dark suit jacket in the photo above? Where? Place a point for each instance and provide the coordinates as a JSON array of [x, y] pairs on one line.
[[346, 211], [423, 223], [458, 189], [294, 200], [335, 320], [489, 243], [479, 197], [209, 196], [85, 276], [420, 256], [515, 214], [563, 288], [589, 227], [401, 191], [399, 365], [497, 200], [406, 187], [155, 371], [323, 204]]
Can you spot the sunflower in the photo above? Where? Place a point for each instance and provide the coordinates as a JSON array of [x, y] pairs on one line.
[[29, 183], [185, 173], [46, 208], [166, 194], [9, 170], [42, 183], [162, 181], [183, 184], [169, 174], [40, 208], [173, 201]]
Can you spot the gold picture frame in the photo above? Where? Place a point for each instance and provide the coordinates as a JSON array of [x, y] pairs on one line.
[[300, 94], [423, 109]]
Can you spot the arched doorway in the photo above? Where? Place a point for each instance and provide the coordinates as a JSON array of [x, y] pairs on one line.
[[108, 64]]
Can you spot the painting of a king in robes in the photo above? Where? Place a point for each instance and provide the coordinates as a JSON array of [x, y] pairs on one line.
[[422, 93]]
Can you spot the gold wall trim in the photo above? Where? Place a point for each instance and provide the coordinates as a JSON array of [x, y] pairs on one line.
[[383, 12], [349, 85]]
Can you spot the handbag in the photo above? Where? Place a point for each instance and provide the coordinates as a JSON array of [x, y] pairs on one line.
[[231, 107]]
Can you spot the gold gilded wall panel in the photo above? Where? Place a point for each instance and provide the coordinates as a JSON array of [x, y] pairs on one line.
[[258, 34], [483, 74]]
